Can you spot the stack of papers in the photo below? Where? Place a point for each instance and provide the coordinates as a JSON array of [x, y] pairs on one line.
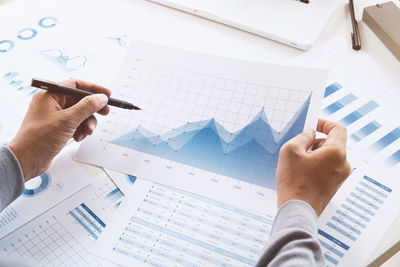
[[190, 180]]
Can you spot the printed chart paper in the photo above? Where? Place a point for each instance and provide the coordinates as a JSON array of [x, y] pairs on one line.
[[161, 226], [208, 124], [62, 235], [362, 96], [63, 179]]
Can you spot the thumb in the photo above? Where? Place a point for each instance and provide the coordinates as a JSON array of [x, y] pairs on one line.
[[86, 107], [304, 140]]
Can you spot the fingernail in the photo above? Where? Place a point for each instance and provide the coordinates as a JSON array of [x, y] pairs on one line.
[[309, 132], [91, 126], [80, 137]]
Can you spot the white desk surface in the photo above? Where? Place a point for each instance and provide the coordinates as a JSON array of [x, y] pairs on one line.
[[213, 37]]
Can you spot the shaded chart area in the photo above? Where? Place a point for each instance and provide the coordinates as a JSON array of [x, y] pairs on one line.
[[250, 154]]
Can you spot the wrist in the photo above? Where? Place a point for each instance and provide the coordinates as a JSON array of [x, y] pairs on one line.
[[24, 159]]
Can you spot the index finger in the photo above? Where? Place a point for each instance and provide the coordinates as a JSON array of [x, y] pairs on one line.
[[88, 86], [336, 132]]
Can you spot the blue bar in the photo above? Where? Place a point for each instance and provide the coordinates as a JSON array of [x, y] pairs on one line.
[[365, 131], [365, 193], [344, 101], [83, 224], [363, 200], [386, 140], [348, 226], [360, 112], [340, 230], [93, 215], [360, 207], [332, 249], [88, 220], [331, 89], [369, 179], [16, 83], [333, 240], [10, 75], [114, 195], [348, 217], [331, 259], [373, 189], [394, 159], [355, 213]]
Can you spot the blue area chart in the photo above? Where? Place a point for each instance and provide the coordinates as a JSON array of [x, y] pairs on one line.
[[250, 154], [44, 184]]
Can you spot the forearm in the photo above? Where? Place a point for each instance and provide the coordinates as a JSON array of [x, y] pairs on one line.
[[293, 238], [11, 178]]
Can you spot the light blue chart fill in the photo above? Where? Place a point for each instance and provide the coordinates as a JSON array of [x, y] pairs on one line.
[[44, 184], [359, 113], [338, 105], [131, 179], [365, 131], [352, 218], [332, 89], [250, 154], [394, 159], [88, 220], [386, 140]]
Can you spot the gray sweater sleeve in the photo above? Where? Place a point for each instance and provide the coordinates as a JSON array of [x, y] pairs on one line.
[[293, 240], [11, 178]]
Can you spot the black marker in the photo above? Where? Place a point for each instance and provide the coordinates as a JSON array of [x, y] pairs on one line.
[[78, 93]]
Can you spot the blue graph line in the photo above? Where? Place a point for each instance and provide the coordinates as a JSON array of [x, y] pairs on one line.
[[119, 39], [250, 154], [65, 62]]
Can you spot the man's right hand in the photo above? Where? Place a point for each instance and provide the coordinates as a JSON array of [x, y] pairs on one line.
[[313, 176]]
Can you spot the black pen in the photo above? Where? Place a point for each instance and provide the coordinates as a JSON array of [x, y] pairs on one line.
[[355, 35], [78, 93]]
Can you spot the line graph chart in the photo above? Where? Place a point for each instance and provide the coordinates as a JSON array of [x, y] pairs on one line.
[[206, 126], [250, 154]]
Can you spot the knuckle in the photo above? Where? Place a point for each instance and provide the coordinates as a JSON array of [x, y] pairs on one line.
[[338, 154], [290, 149], [89, 102]]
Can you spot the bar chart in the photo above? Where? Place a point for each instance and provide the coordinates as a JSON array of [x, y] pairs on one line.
[[351, 219], [373, 133]]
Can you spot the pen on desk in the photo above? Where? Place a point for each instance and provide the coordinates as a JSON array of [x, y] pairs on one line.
[[355, 35], [65, 90]]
